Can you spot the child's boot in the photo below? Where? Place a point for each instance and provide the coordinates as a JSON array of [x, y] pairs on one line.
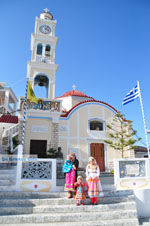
[[95, 201], [92, 201], [77, 204]]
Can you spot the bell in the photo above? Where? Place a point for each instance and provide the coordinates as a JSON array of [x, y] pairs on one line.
[[41, 83]]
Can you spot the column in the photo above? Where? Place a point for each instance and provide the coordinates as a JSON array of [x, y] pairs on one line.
[[14, 109], [6, 100]]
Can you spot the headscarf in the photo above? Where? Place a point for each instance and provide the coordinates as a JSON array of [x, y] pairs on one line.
[[91, 159], [79, 177]]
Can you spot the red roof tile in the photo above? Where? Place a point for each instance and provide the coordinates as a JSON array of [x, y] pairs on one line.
[[8, 119], [76, 93]]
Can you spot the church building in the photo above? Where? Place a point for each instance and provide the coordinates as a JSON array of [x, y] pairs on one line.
[[74, 121]]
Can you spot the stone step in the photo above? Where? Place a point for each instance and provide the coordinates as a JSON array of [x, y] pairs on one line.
[[7, 176], [7, 188], [42, 195], [6, 182], [31, 195], [116, 222], [66, 208], [67, 217], [8, 171], [60, 201]]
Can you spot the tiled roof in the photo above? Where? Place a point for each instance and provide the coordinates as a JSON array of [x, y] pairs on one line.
[[8, 119], [76, 93]]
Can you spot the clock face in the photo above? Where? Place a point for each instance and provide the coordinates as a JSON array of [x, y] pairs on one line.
[[45, 29]]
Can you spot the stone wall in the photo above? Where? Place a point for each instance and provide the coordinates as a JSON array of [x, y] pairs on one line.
[[54, 136]]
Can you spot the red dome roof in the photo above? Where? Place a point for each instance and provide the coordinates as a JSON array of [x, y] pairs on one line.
[[76, 93]]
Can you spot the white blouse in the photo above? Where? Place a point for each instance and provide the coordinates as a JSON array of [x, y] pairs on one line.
[[92, 171]]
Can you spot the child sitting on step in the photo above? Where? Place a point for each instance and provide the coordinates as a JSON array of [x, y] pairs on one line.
[[80, 195]]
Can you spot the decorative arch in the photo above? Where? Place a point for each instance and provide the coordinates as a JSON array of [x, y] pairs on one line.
[[68, 114], [39, 49]]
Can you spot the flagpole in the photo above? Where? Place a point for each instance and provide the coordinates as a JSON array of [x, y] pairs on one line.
[[24, 115], [142, 108]]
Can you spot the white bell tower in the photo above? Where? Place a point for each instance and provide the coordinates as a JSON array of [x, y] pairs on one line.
[[41, 69]]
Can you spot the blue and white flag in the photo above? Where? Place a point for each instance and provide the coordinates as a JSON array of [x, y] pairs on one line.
[[131, 96]]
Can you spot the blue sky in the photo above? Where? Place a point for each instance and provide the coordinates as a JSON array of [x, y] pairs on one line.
[[103, 48]]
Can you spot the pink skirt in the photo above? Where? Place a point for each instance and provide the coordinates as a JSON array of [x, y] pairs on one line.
[[94, 188], [70, 180]]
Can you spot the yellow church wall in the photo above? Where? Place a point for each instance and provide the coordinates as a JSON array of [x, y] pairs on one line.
[[96, 111], [29, 135], [108, 115], [73, 125], [78, 136], [63, 145], [83, 149], [83, 121], [110, 152], [63, 128], [73, 143]]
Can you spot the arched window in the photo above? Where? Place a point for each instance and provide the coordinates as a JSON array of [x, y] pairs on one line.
[[47, 50], [39, 49], [96, 125]]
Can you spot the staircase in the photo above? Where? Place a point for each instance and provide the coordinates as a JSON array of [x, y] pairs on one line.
[[7, 178], [10, 131], [116, 208]]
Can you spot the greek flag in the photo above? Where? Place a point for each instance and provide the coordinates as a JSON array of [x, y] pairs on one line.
[[131, 96]]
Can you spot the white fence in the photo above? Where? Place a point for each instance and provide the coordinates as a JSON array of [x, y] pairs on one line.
[[35, 175]]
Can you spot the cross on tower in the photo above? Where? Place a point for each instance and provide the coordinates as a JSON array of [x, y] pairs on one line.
[[74, 87], [46, 10]]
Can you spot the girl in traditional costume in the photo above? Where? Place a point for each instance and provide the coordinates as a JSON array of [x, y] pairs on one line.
[[69, 171], [67, 165], [93, 180], [75, 164], [79, 191]]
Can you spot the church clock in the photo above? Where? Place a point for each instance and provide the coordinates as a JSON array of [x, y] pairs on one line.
[[45, 29]]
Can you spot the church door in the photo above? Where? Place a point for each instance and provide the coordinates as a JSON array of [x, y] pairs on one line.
[[97, 151], [38, 147]]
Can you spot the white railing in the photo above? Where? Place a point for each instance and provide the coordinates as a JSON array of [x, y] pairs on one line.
[[34, 174], [14, 130]]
